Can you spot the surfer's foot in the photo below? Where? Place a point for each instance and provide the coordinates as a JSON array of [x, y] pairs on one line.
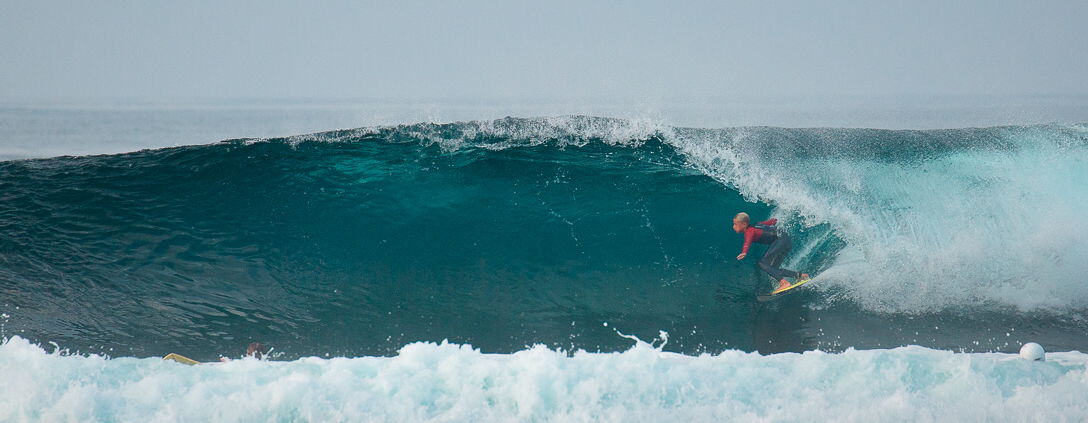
[[803, 276], [783, 284]]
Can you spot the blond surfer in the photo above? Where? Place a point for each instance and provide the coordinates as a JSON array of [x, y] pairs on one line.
[[778, 243]]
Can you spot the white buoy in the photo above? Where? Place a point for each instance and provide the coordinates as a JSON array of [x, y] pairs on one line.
[[1032, 352]]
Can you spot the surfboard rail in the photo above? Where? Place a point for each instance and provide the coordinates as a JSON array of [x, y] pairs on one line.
[[180, 359], [782, 292]]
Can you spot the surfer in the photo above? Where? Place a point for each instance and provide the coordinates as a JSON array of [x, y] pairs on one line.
[[256, 350], [779, 246]]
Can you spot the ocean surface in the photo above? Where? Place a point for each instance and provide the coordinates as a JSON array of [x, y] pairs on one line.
[[554, 268]]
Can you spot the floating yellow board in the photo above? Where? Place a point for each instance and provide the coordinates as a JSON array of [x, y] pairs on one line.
[[783, 291], [181, 359]]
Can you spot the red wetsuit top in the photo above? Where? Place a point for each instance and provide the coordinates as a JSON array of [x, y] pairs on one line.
[[754, 234]]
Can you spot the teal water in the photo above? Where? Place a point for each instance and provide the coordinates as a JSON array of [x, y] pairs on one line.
[[555, 231]]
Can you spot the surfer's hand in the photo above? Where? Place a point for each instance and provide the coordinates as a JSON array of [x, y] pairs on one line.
[[741, 256]]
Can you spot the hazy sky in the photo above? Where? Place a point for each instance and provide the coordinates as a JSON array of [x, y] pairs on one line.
[[556, 49]]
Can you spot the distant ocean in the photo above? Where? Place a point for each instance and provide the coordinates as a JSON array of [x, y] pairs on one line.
[[426, 265]]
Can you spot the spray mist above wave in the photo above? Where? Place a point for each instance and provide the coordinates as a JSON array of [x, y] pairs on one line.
[[932, 219], [504, 133]]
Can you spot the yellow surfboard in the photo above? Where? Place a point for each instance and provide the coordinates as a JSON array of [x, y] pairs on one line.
[[782, 291], [180, 359]]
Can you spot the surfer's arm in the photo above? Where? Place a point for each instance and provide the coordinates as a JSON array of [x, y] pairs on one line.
[[750, 235]]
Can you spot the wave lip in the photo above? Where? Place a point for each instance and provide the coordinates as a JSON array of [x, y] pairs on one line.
[[501, 133]]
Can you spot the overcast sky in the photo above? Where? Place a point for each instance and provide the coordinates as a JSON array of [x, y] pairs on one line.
[[53, 50]]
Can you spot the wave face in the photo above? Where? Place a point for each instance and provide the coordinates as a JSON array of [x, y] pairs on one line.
[[554, 231]]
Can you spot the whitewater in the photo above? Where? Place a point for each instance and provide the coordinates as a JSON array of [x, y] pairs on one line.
[[448, 382], [562, 268]]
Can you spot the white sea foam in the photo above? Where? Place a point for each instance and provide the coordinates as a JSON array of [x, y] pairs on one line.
[[993, 224], [448, 383]]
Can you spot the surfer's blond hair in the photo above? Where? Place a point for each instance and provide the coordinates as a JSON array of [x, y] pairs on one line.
[[743, 218]]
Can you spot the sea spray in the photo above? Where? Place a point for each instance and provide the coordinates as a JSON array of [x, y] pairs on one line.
[[932, 220], [450, 382]]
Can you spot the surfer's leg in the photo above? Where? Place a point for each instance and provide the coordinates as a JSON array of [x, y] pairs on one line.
[[767, 266], [777, 264], [770, 261]]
